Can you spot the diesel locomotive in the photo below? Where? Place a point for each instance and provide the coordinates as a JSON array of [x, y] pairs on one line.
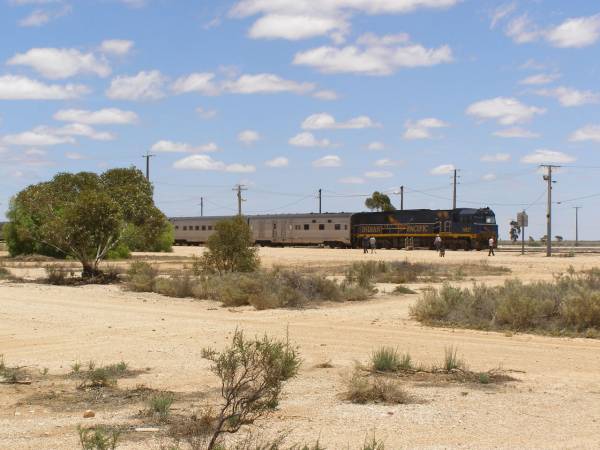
[[461, 228]]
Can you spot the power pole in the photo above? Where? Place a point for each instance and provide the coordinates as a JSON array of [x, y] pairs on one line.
[[454, 182], [548, 179], [147, 156], [239, 188], [577, 208], [320, 199], [401, 198], [201, 206]]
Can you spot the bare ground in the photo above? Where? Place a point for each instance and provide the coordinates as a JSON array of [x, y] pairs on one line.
[[554, 404]]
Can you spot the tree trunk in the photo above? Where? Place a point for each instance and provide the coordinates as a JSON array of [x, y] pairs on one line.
[[89, 270]]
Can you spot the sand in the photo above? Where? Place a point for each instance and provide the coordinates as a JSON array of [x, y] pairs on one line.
[[554, 404]]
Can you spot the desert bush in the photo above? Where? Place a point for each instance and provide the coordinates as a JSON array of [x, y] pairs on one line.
[[399, 290], [451, 360], [568, 305], [98, 438], [160, 405], [252, 374], [364, 389], [385, 359], [100, 377], [56, 275], [178, 286], [141, 277]]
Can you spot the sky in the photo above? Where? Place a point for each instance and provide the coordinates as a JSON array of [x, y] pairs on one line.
[[291, 96]]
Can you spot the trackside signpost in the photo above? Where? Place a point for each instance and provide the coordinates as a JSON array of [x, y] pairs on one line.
[[522, 221]]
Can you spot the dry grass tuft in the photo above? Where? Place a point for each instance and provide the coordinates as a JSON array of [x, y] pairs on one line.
[[363, 389]]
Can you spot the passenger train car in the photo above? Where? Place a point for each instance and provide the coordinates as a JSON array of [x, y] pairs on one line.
[[461, 228]]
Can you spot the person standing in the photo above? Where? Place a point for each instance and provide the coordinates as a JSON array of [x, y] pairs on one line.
[[437, 242], [365, 244], [373, 243], [491, 243]]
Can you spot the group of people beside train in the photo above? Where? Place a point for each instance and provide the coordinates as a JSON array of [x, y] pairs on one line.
[[438, 243]]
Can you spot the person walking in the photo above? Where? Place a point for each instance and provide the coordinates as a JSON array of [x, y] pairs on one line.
[[373, 243], [365, 244], [491, 243], [437, 242], [442, 250]]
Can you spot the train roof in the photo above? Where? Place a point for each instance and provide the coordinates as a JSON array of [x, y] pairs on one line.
[[269, 216]]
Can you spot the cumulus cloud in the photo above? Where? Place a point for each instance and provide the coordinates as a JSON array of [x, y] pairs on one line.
[[501, 12], [421, 129], [143, 86], [196, 82], [278, 162], [488, 177], [107, 116], [516, 132], [386, 162], [295, 27], [80, 129], [307, 139], [73, 155], [351, 180], [13, 87], [39, 17], [507, 111], [375, 146], [206, 113], [379, 174], [496, 157], [36, 138], [165, 146], [206, 163], [324, 121], [248, 137], [326, 95], [328, 161], [586, 133], [544, 156], [373, 56], [59, 63], [540, 78], [443, 169], [570, 97], [116, 47]]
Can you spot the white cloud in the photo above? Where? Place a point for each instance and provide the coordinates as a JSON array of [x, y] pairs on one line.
[[496, 158], [196, 82], [117, 47], [501, 12], [278, 162], [386, 162], [36, 138], [379, 174], [489, 177], [328, 161], [107, 116], [351, 180], [586, 133], [516, 132], [165, 146], [205, 162], [73, 155], [295, 27], [326, 95], [544, 156], [324, 121], [507, 111], [570, 97], [372, 60], [39, 17], [421, 129], [375, 145], [541, 78], [443, 169], [576, 32], [248, 137], [58, 63], [307, 139], [265, 83], [79, 129], [13, 87], [206, 113], [143, 86]]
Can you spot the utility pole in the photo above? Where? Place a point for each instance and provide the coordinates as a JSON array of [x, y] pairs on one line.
[[320, 199], [454, 182], [577, 208], [401, 198], [548, 179], [201, 206], [147, 156], [239, 188]]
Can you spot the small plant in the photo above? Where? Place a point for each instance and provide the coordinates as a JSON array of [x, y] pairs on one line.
[[99, 438], [76, 367], [363, 389], [451, 360], [141, 277], [484, 378], [385, 359], [56, 276], [160, 405], [102, 377], [402, 290], [44, 371], [373, 444]]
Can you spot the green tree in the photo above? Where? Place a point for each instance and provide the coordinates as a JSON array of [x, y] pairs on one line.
[[85, 216], [230, 248], [379, 202]]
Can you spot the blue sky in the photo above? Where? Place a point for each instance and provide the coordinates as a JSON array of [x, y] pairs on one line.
[[289, 96]]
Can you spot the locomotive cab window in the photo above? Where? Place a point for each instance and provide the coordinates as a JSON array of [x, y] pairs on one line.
[[490, 220]]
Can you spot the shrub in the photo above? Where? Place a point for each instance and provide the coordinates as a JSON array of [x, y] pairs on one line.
[[160, 405], [101, 377], [385, 359], [451, 361], [56, 275], [362, 389], [99, 438], [141, 277], [178, 286]]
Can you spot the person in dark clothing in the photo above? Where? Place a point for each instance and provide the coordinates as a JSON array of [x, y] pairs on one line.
[[365, 244], [491, 244]]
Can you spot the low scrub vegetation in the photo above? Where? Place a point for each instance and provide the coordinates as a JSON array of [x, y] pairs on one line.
[[100, 377], [361, 388], [263, 289], [12, 375], [98, 438], [568, 305]]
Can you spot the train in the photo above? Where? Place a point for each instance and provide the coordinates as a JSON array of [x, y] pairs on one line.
[[460, 228]]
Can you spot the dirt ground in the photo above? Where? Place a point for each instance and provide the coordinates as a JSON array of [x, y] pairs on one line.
[[554, 404]]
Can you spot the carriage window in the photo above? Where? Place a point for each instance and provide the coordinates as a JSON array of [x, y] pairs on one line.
[[197, 227], [321, 226], [329, 221], [203, 227], [314, 221], [177, 227], [306, 226], [209, 227], [297, 227], [274, 226], [345, 227], [185, 228], [337, 226]]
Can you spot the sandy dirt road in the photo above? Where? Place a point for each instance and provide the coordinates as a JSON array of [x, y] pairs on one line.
[[555, 403]]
